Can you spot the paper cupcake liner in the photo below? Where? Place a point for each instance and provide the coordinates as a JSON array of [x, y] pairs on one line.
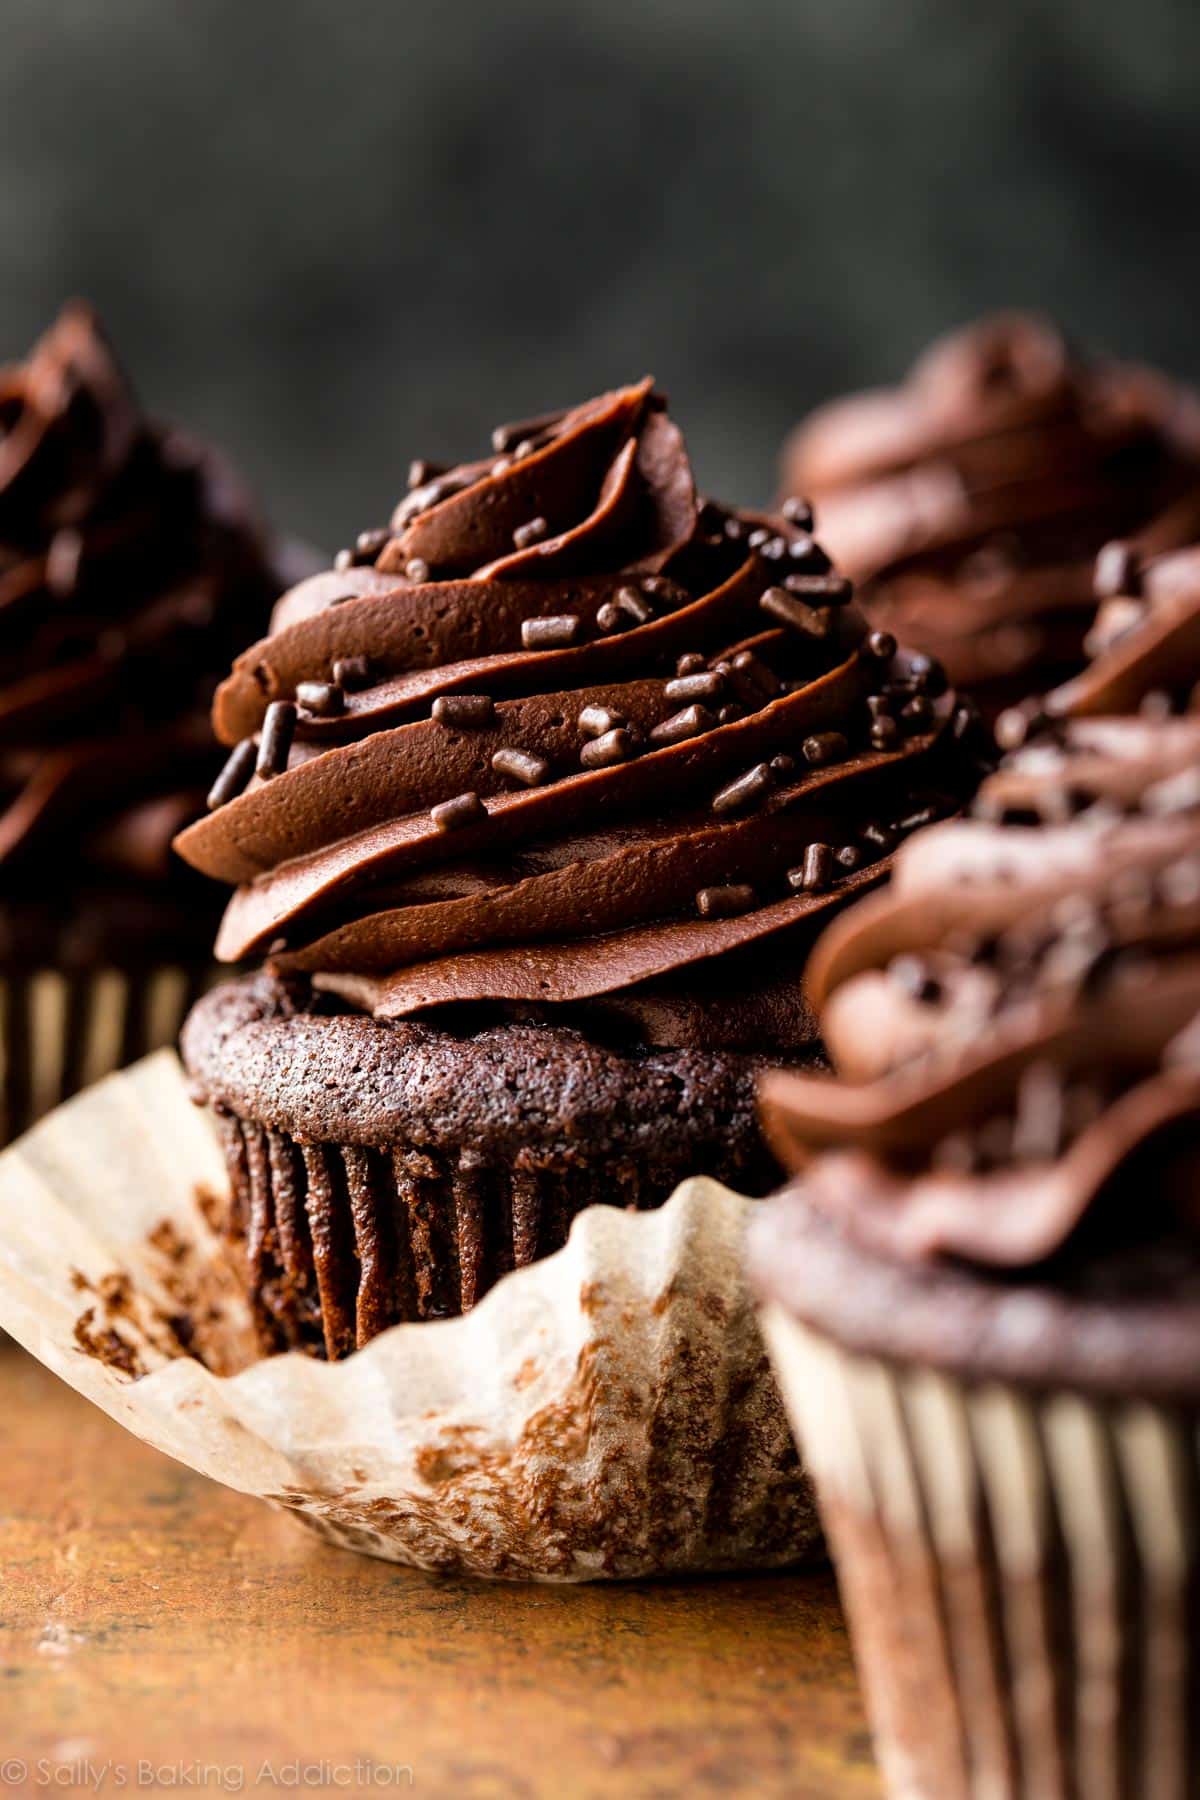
[[60, 1030], [338, 1241], [1019, 1572], [607, 1411]]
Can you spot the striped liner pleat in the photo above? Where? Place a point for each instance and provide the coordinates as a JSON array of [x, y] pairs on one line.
[[1020, 1575], [61, 1031], [340, 1241]]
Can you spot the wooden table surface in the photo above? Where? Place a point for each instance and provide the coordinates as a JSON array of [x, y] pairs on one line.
[[186, 1636]]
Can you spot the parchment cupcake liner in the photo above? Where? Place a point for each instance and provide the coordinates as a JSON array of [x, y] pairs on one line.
[[607, 1411], [61, 1030], [339, 1241], [1019, 1572]]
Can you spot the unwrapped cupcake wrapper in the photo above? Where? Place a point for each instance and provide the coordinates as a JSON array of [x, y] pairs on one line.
[[1019, 1571], [607, 1411], [62, 1029]]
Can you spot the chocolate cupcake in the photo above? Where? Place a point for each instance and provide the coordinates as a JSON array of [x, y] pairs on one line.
[[969, 503], [982, 1289], [534, 806], [131, 566]]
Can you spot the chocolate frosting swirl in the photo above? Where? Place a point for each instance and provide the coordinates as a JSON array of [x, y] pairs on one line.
[[1016, 1018], [969, 502], [130, 564], [565, 734]]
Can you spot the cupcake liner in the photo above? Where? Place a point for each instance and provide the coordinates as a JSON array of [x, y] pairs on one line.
[[340, 1241], [1019, 1571], [607, 1411], [61, 1030]]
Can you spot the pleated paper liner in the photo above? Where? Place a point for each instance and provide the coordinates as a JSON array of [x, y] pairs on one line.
[[340, 1241], [1019, 1572], [607, 1411], [60, 1030]]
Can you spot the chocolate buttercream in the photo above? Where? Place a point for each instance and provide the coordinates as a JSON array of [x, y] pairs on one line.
[[1015, 1024], [563, 734], [970, 501], [130, 564]]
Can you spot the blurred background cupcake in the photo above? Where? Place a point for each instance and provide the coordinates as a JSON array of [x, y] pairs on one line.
[[982, 1288], [131, 565], [969, 502]]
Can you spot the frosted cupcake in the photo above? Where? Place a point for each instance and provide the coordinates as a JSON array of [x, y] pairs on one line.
[[131, 565], [534, 805]]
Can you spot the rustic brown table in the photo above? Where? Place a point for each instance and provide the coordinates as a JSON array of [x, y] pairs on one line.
[[159, 1633]]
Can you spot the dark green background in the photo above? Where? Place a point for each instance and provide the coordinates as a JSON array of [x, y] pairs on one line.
[[334, 233]]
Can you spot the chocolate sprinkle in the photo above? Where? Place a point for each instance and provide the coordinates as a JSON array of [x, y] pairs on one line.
[[725, 902], [343, 560], [744, 792], [825, 747], [595, 721], [690, 664], [63, 560], [554, 633], [615, 746], [530, 533], [927, 674], [420, 472], [417, 569], [464, 809], [706, 685], [686, 724], [806, 551], [522, 766], [234, 776], [351, 672], [323, 698], [783, 767], [609, 617], [814, 621], [368, 544], [635, 605], [752, 678], [466, 711], [879, 838], [279, 726], [918, 714], [815, 873], [881, 645], [848, 857], [1016, 724], [885, 734], [1116, 571], [821, 590], [506, 436], [1039, 1130], [797, 512]]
